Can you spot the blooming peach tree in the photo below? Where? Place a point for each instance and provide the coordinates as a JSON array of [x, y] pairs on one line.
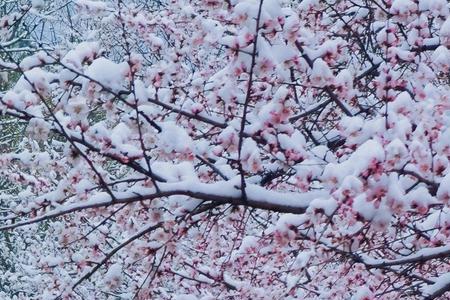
[[240, 149]]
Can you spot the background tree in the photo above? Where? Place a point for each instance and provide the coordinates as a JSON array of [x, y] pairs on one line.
[[218, 150]]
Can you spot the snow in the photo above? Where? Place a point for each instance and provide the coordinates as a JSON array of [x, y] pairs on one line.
[[441, 57], [83, 186], [381, 219], [293, 142], [420, 197], [440, 282], [38, 129], [351, 125], [396, 152], [77, 108], [321, 74], [223, 192], [174, 138], [286, 221], [327, 47], [351, 185], [362, 293], [250, 155], [92, 6], [402, 103], [183, 171], [273, 8], [419, 254], [247, 244], [435, 7], [345, 78], [281, 198], [445, 32], [38, 59], [228, 136], [113, 276], [365, 183], [363, 207], [185, 297], [256, 195], [37, 4], [309, 4], [303, 258], [83, 52], [141, 91], [120, 134], [443, 192], [108, 73], [233, 282], [328, 206], [402, 7], [363, 158], [52, 261], [114, 271], [35, 79]]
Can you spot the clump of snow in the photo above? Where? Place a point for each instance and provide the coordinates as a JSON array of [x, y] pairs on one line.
[[35, 60], [83, 53], [321, 74], [396, 153], [38, 129], [36, 80], [174, 138], [90, 6], [443, 192], [434, 7], [439, 283], [326, 206], [37, 4], [441, 58], [250, 156], [363, 207], [445, 32], [107, 73], [362, 293], [77, 108], [402, 8], [113, 277], [185, 297], [361, 161]]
